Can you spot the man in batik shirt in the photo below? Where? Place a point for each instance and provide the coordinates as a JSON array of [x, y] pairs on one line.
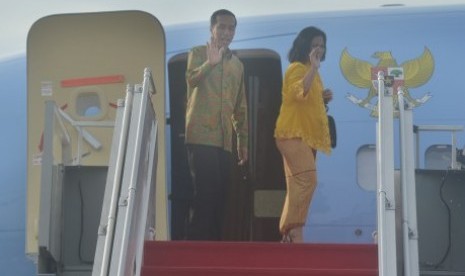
[[216, 103]]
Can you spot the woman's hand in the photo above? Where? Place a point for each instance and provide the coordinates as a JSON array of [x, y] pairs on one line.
[[327, 95], [315, 57]]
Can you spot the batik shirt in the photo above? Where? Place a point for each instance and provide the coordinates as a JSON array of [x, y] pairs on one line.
[[303, 116], [216, 101]]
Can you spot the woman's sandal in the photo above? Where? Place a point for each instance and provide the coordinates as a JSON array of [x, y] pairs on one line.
[[286, 238]]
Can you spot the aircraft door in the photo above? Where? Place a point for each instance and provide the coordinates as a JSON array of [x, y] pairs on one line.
[[181, 185], [256, 195], [82, 63]]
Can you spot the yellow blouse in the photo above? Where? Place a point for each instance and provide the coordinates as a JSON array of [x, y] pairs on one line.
[[303, 117]]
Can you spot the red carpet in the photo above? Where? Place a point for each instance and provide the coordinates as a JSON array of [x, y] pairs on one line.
[[182, 258]]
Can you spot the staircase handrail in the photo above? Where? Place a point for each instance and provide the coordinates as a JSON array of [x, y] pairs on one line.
[[387, 257], [116, 181], [453, 129], [408, 186], [130, 180]]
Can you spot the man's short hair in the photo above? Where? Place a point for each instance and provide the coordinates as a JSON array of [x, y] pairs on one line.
[[213, 18]]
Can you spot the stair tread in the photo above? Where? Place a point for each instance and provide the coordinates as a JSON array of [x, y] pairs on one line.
[[259, 255], [232, 271], [191, 268]]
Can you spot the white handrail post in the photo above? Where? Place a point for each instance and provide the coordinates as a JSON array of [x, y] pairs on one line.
[[454, 164], [116, 181], [385, 180], [137, 183], [409, 209]]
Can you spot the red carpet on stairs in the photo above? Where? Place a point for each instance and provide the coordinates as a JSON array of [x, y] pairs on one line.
[[182, 258]]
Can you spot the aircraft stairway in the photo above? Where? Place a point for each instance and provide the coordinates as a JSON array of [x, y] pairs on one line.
[[121, 238], [182, 258]]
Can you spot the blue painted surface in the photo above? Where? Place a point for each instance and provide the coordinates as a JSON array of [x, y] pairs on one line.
[[340, 206], [13, 260]]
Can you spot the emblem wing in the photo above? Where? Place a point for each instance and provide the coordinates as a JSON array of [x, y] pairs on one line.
[[418, 71], [356, 71]]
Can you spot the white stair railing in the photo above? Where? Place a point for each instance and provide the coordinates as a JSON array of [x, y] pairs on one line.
[[453, 129], [127, 217], [387, 256], [408, 183]]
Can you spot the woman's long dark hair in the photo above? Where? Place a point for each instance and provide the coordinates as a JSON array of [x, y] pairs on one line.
[[302, 44]]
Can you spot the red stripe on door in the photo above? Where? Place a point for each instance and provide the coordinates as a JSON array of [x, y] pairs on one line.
[[92, 81]]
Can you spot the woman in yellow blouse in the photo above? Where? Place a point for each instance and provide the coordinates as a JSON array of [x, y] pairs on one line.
[[302, 128]]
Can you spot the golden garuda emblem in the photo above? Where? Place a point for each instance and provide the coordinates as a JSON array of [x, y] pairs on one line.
[[410, 74]]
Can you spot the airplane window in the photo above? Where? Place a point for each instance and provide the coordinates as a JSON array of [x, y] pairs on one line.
[[88, 104], [92, 111], [438, 157], [366, 167]]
